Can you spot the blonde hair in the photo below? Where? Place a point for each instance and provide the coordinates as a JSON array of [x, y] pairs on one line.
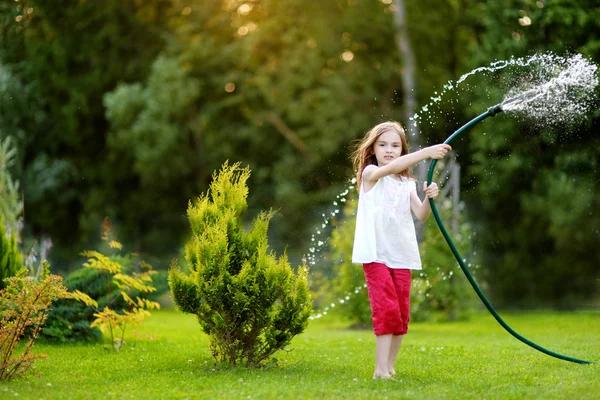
[[364, 154]]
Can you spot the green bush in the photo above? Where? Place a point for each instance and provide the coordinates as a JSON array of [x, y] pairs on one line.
[[11, 260], [249, 302], [69, 320]]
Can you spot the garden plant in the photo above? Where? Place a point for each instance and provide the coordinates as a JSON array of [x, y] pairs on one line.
[[249, 302], [115, 317], [24, 304]]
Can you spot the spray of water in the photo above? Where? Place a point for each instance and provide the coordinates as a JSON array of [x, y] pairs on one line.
[[318, 241], [560, 92], [550, 88]]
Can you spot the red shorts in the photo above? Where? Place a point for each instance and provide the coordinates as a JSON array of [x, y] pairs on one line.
[[389, 295]]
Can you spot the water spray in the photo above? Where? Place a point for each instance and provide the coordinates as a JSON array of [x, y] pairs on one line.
[[492, 111]]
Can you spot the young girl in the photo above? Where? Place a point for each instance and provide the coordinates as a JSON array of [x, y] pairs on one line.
[[385, 241]]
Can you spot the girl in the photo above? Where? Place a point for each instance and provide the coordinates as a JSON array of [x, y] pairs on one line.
[[385, 241]]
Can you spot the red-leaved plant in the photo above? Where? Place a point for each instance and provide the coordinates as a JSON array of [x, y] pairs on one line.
[[24, 304]]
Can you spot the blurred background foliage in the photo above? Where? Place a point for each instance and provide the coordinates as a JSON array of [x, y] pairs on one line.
[[124, 108]]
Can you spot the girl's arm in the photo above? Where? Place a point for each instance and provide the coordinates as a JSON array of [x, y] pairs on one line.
[[422, 209], [437, 152]]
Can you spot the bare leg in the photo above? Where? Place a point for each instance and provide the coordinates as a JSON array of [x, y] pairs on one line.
[[383, 345], [394, 348]]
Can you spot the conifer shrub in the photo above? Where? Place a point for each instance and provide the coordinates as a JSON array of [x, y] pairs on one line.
[[69, 320], [248, 301], [11, 259]]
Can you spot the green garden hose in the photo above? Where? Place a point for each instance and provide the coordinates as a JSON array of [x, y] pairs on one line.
[[489, 113]]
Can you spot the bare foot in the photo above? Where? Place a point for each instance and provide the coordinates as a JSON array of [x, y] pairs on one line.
[[380, 375], [392, 371]]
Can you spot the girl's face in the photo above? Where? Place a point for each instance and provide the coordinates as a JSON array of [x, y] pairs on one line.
[[387, 147]]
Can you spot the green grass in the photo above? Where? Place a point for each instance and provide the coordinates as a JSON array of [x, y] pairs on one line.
[[468, 359]]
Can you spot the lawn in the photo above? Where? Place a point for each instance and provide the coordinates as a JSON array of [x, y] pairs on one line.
[[458, 360]]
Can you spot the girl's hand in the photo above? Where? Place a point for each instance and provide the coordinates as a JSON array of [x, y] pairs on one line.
[[438, 151], [432, 191]]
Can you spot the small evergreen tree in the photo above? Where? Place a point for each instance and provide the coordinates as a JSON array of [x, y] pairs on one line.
[[11, 260], [249, 302]]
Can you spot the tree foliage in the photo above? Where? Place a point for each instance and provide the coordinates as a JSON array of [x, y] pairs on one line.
[[249, 302], [63, 58]]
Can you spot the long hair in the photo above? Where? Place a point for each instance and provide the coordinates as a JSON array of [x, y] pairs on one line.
[[364, 154]]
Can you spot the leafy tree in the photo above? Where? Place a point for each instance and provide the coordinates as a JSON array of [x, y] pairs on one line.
[[261, 80], [249, 302], [66, 56], [283, 86]]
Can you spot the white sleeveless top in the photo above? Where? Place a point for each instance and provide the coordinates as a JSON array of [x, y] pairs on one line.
[[385, 231]]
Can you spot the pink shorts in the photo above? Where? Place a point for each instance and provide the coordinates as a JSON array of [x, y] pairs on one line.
[[389, 295]]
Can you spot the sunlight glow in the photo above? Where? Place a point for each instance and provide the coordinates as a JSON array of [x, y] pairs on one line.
[[347, 56], [244, 9], [230, 87], [186, 11], [525, 21]]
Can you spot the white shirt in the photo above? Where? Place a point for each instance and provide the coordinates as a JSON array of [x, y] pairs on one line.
[[385, 231]]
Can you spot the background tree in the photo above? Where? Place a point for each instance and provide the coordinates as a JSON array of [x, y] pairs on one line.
[[134, 103], [67, 57]]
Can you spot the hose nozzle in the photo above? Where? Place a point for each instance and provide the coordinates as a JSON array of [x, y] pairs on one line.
[[495, 110]]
